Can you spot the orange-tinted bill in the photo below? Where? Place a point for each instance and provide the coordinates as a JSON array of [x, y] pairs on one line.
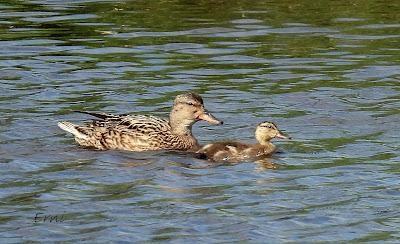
[[206, 116]]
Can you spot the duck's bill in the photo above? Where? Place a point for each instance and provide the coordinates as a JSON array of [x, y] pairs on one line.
[[206, 116], [282, 136]]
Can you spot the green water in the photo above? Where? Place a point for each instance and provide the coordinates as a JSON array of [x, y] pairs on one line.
[[327, 72]]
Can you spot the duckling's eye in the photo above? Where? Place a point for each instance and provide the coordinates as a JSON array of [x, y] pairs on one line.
[[267, 126], [190, 103]]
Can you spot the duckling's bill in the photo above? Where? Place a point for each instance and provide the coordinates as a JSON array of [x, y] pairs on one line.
[[280, 135]]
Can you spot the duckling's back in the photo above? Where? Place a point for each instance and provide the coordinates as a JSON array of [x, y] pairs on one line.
[[221, 151], [230, 151]]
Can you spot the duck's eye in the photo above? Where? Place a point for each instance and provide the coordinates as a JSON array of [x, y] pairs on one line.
[[190, 103]]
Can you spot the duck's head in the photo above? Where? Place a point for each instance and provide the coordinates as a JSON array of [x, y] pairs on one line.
[[266, 131], [189, 108]]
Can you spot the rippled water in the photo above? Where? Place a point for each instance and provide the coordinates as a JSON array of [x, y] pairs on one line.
[[327, 72]]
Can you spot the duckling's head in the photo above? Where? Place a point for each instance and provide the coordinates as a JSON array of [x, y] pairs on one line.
[[189, 108], [266, 131]]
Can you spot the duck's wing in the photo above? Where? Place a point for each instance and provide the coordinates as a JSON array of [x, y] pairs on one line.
[[128, 122], [231, 147], [103, 116], [235, 144], [128, 132], [143, 123]]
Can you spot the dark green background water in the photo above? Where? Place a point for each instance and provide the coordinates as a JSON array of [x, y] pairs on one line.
[[327, 72]]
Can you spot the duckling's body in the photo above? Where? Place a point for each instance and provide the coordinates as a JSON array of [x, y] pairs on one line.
[[231, 151], [144, 133]]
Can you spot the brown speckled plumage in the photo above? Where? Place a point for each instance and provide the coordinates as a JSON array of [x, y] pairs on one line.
[[144, 133], [231, 151]]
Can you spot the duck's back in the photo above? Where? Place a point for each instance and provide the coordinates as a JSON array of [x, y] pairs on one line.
[[231, 151], [128, 132], [222, 151]]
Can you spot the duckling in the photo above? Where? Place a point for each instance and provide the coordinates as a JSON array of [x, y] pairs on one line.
[[144, 132], [232, 151]]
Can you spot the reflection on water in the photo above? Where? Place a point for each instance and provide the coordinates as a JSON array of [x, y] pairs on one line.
[[326, 72]]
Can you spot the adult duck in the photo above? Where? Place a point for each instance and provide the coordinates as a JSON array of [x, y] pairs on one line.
[[144, 132]]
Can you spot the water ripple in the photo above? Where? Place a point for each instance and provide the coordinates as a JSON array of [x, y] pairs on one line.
[[329, 80]]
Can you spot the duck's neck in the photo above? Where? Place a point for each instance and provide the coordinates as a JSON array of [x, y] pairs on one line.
[[263, 139], [266, 147], [265, 143], [181, 127]]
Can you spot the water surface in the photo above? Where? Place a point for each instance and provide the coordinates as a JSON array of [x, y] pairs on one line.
[[326, 72]]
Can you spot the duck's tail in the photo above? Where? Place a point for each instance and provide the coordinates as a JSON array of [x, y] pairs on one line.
[[73, 129]]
